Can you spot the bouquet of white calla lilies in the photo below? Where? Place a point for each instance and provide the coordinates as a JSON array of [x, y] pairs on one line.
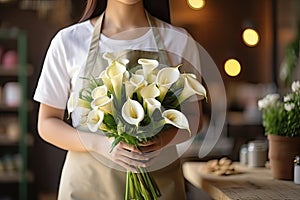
[[133, 106]]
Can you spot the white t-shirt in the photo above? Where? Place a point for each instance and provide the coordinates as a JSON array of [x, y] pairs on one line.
[[69, 48]]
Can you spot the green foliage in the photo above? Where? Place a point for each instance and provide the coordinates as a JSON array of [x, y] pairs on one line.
[[274, 120], [282, 116], [291, 56]]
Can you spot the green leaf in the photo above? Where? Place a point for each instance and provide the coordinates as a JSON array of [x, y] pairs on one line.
[[115, 142], [109, 121]]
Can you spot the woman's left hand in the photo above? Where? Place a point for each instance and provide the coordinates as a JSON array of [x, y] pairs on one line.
[[159, 141], [152, 145]]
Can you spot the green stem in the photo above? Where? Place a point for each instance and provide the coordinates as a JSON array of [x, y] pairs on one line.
[[127, 186], [131, 187], [144, 190], [150, 182]]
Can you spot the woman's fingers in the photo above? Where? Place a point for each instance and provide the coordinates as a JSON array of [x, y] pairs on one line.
[[152, 145], [129, 147]]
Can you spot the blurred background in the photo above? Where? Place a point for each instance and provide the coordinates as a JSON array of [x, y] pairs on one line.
[[249, 41]]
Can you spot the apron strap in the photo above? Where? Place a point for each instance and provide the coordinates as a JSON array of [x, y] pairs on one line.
[[163, 57], [94, 45]]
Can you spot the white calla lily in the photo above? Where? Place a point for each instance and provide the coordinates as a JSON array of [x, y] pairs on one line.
[[94, 120], [148, 66], [103, 103], [165, 78], [139, 72], [129, 89], [151, 77], [150, 91], [176, 118], [99, 91], [83, 113], [115, 73], [137, 80], [72, 103], [151, 105], [106, 80], [109, 57], [124, 61], [133, 112], [191, 86]]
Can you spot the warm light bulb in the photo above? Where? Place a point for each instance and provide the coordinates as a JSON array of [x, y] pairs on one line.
[[232, 67], [196, 4], [250, 37]]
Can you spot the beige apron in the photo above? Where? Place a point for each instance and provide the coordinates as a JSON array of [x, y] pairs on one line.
[[85, 178]]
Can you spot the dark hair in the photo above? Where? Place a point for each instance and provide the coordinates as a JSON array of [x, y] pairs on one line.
[[157, 8]]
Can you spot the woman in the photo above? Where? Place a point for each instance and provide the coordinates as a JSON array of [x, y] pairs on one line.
[[88, 171]]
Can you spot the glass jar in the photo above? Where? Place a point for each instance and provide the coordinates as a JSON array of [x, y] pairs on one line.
[[244, 154], [297, 170], [257, 153]]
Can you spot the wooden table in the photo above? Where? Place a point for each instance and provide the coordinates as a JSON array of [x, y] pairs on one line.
[[247, 184]]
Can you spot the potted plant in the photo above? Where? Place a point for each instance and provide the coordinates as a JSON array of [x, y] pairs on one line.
[[281, 120]]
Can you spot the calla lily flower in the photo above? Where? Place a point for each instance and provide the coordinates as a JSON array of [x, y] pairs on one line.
[[94, 120], [191, 86], [133, 112], [115, 73], [137, 80], [124, 61], [148, 66], [151, 77], [151, 105], [129, 89], [72, 103], [176, 118], [103, 103], [150, 91], [165, 78], [109, 57], [75, 102], [106, 80], [99, 91], [83, 113]]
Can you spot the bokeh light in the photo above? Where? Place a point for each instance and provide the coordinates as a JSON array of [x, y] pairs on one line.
[[232, 67]]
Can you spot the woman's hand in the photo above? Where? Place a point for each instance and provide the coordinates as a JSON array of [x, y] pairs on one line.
[[125, 155], [128, 156], [159, 141]]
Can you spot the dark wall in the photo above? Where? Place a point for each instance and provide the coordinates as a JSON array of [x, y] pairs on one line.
[[218, 27], [45, 160]]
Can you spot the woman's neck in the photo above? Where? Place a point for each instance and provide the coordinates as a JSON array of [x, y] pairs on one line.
[[121, 17]]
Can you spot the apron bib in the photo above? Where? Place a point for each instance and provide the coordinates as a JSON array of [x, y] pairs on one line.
[[84, 177]]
